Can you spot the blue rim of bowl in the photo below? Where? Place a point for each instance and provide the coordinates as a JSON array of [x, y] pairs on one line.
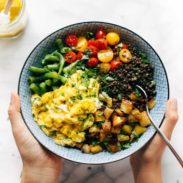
[[99, 22]]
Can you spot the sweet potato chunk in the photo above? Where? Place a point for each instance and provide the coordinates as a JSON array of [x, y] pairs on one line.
[[108, 112], [151, 103], [99, 116], [106, 126], [122, 138], [119, 112], [144, 119], [95, 149], [127, 129], [126, 106], [118, 120]]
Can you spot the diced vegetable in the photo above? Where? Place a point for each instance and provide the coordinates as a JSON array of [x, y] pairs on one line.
[[102, 135], [119, 112], [86, 148], [127, 129], [99, 116], [144, 119], [118, 120], [108, 112], [113, 148], [122, 138], [126, 106], [139, 129], [151, 103], [106, 126], [95, 149], [94, 129]]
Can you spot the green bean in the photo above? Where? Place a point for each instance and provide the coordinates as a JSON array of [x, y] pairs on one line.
[[67, 69], [55, 81], [33, 79], [62, 61], [48, 82], [43, 87], [50, 59], [37, 70], [59, 43], [55, 87], [65, 50], [35, 88], [55, 75], [53, 67]]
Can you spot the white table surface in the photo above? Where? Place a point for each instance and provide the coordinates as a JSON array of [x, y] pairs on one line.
[[159, 22]]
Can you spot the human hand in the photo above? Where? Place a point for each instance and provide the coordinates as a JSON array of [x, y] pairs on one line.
[[39, 165], [146, 163]]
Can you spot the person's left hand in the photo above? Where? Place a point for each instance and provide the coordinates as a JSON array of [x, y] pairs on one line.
[[39, 165]]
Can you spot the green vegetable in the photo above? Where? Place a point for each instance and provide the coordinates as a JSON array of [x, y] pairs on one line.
[[43, 87], [55, 75], [48, 82], [65, 50], [90, 35], [35, 88], [126, 145], [59, 43], [61, 61], [68, 69], [37, 70], [50, 58], [53, 67]]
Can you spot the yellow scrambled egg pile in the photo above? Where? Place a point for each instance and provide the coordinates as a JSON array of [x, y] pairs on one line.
[[67, 112]]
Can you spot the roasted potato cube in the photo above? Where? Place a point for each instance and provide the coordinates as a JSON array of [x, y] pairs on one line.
[[136, 113], [95, 149], [126, 106], [86, 148], [139, 130], [144, 119], [131, 118], [151, 103], [102, 135], [119, 112], [118, 120], [99, 116], [122, 138], [127, 129], [132, 96], [106, 126], [113, 148], [94, 129], [116, 130], [108, 112]]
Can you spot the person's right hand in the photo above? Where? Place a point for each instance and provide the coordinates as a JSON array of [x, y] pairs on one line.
[[146, 163], [39, 165]]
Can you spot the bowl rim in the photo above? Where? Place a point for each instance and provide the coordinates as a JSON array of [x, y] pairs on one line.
[[88, 22]]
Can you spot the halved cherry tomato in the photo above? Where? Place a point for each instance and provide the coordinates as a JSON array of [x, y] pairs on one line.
[[105, 55], [112, 38], [115, 64], [79, 55], [100, 34], [125, 55], [92, 62], [94, 50], [82, 44], [70, 57], [102, 44], [125, 46], [71, 40], [92, 42]]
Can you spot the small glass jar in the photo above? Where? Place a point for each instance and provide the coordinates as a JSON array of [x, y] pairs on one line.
[[17, 26]]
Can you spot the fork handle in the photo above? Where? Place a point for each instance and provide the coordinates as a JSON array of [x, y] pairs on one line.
[[165, 139]]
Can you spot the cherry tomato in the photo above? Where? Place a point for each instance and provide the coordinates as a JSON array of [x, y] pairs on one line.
[[71, 40], [125, 55], [125, 46], [92, 42], [104, 67], [105, 55], [115, 64], [79, 55], [92, 62], [112, 38], [70, 57], [94, 50], [100, 34], [82, 44], [102, 44]]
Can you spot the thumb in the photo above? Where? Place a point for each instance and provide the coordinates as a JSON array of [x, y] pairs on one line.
[[171, 118]]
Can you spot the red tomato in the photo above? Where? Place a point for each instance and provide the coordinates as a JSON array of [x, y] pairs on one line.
[[115, 64], [92, 42], [71, 40], [70, 57], [79, 55], [100, 34], [102, 44], [92, 62], [125, 46], [94, 50]]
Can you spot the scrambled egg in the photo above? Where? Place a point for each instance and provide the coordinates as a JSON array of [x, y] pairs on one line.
[[67, 112]]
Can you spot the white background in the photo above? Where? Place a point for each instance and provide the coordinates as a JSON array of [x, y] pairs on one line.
[[159, 22]]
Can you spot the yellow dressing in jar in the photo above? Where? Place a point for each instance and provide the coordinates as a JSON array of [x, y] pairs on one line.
[[17, 19]]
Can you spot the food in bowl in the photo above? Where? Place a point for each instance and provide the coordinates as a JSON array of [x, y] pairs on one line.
[[85, 95]]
